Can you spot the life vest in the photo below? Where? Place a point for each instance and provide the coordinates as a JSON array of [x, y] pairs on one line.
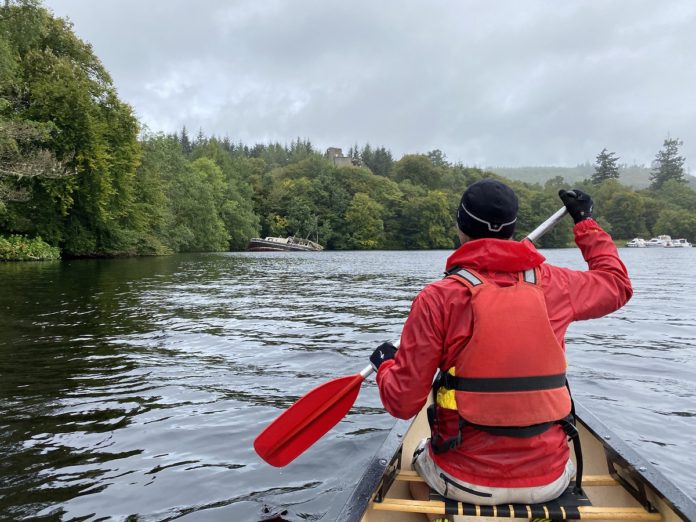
[[510, 378], [511, 373]]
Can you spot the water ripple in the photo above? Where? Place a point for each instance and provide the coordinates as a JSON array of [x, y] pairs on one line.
[[135, 388]]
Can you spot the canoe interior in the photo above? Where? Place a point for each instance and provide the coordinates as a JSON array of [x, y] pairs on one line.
[[611, 468]]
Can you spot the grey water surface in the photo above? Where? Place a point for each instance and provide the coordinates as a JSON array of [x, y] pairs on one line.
[[133, 389]]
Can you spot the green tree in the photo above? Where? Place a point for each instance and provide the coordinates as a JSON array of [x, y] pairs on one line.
[[154, 217], [438, 158], [331, 197], [235, 195], [61, 88], [24, 149], [23, 156], [364, 225], [367, 155], [535, 207], [668, 164], [428, 222], [185, 141], [302, 218], [555, 183], [302, 150], [677, 223], [195, 199], [626, 213], [652, 209], [379, 161], [354, 154], [605, 167], [277, 226], [676, 193], [457, 177], [418, 169]]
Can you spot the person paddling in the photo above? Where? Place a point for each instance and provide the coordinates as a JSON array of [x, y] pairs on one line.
[[494, 329]]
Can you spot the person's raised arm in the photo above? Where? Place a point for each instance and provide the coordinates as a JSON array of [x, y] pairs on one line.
[[605, 287]]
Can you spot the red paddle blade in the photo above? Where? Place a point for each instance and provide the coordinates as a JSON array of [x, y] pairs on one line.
[[303, 423]]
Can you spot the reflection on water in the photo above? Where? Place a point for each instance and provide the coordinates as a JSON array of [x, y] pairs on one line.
[[136, 386]]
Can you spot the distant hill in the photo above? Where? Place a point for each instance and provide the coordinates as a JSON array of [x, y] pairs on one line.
[[634, 176]]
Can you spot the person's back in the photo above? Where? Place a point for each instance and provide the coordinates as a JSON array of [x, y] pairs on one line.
[[497, 464]]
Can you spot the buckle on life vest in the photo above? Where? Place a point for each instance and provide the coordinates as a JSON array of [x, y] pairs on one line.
[[568, 425], [439, 444]]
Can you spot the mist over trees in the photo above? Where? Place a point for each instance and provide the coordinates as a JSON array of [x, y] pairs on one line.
[[78, 174]]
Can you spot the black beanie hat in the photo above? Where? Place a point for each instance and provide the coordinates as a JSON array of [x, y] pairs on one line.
[[488, 209]]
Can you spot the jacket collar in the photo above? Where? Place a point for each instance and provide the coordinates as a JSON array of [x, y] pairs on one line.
[[496, 255]]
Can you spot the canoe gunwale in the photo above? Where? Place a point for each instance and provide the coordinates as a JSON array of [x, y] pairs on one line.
[[616, 450], [357, 503], [647, 473]]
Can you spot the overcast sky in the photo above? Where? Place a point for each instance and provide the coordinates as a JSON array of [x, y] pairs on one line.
[[504, 83]]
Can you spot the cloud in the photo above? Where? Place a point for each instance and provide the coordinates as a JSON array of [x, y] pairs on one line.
[[498, 83]]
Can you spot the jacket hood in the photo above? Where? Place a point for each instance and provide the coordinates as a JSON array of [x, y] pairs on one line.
[[497, 255]]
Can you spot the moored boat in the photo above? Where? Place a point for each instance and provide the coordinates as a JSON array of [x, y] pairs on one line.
[[678, 243], [618, 484], [283, 244], [636, 242], [658, 241]]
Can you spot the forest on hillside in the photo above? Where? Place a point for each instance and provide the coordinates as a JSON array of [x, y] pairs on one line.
[[635, 176], [79, 178]]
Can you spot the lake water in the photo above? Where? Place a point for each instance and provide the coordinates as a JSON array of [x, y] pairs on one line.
[[133, 389]]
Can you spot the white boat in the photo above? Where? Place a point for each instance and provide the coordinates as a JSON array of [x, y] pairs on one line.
[[678, 243], [658, 241], [636, 242], [283, 244]]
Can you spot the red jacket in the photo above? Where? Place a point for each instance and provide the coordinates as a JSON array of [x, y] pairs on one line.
[[440, 321]]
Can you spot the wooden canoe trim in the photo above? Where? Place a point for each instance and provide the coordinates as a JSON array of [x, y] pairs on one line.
[[587, 480], [436, 507], [409, 476], [616, 513]]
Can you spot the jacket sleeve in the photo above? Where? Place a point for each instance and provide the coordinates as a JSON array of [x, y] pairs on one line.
[[405, 382], [605, 287]]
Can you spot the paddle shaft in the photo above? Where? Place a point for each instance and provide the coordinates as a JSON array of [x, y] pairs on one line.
[[547, 225]]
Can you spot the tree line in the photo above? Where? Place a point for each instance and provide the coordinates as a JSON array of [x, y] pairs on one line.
[[77, 171]]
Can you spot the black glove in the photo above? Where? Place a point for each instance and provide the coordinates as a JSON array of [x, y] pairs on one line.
[[578, 203], [383, 352]]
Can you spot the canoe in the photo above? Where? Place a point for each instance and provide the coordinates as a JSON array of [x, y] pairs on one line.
[[618, 482]]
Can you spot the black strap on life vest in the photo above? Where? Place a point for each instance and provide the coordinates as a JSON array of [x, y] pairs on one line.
[[440, 445], [573, 434], [503, 384]]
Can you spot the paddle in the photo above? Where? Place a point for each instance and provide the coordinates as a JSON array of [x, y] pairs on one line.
[[319, 410], [303, 423]]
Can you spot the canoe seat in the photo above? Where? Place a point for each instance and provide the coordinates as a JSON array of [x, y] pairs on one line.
[[564, 507], [569, 506]]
